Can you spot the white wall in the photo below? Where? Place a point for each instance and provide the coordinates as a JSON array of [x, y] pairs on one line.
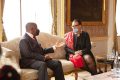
[[99, 46], [104, 46]]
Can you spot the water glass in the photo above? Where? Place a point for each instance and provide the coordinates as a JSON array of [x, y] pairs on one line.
[[116, 73], [110, 56]]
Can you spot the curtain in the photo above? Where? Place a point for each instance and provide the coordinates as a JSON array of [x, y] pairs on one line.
[[115, 30], [117, 24], [17, 14], [11, 18], [54, 16], [3, 35], [35, 13], [118, 17]]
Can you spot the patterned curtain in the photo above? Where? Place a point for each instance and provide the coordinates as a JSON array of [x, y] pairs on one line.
[[54, 16], [3, 36]]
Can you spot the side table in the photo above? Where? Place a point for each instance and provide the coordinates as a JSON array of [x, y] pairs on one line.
[[105, 61]]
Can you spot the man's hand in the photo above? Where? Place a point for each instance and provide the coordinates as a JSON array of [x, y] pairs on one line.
[[47, 57], [59, 44]]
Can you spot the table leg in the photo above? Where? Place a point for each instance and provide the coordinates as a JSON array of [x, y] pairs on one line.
[[99, 68], [76, 74], [105, 67]]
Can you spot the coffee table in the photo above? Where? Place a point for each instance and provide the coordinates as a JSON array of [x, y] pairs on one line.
[[104, 76]]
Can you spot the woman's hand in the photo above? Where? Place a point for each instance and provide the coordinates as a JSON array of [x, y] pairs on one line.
[[78, 52]]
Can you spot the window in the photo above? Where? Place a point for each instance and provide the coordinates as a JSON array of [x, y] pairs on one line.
[[118, 17], [11, 18], [38, 11], [31, 11]]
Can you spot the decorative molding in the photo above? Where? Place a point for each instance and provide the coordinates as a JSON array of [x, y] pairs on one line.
[[96, 31], [98, 38], [92, 22]]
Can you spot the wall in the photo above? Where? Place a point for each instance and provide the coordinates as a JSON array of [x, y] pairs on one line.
[[103, 36], [104, 45], [99, 46], [94, 28]]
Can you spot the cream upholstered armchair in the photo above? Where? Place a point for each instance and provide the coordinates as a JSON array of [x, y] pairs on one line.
[[8, 57], [11, 55]]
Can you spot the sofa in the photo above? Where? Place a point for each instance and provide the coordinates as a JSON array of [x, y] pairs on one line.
[[11, 55]]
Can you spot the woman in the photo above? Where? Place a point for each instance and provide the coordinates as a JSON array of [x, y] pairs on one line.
[[78, 48]]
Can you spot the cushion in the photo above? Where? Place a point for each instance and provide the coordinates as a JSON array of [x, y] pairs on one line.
[[26, 73], [67, 66], [13, 45]]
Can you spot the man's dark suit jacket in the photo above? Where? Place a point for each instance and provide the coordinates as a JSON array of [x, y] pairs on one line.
[[31, 51]]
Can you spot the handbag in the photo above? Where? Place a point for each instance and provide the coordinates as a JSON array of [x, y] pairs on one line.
[[77, 60]]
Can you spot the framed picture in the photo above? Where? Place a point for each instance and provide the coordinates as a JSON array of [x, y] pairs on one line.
[[90, 12]]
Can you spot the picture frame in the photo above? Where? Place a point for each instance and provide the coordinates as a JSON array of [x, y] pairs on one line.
[[90, 12]]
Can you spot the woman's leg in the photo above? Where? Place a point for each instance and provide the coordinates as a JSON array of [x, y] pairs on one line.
[[90, 64]]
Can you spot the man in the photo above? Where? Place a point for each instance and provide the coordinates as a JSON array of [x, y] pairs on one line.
[[34, 56]]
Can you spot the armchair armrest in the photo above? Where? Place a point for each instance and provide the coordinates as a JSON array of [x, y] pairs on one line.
[[7, 52], [8, 57]]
